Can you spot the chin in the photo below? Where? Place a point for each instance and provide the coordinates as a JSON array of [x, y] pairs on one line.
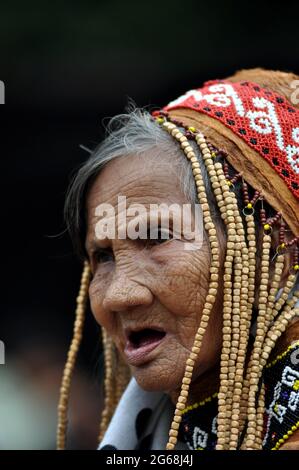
[[152, 377]]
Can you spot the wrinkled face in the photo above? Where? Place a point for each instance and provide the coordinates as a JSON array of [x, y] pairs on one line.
[[149, 294]]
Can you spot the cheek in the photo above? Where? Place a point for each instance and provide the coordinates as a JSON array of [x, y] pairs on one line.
[[182, 289], [103, 318], [96, 295], [183, 283]]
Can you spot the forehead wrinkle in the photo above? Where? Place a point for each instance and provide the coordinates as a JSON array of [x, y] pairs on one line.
[[135, 188], [155, 185], [132, 169], [158, 192]]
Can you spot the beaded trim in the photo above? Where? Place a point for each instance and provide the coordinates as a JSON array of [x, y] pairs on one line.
[[286, 436], [282, 355], [266, 121], [199, 425], [200, 403], [280, 420], [282, 398]]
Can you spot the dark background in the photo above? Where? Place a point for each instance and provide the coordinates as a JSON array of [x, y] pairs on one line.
[[67, 66]]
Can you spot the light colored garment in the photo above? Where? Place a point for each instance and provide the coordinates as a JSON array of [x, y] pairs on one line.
[[138, 416]]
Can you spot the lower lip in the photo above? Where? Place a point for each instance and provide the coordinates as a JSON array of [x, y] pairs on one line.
[[138, 356]]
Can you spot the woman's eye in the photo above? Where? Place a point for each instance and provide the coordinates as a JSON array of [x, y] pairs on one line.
[[104, 255], [158, 236]]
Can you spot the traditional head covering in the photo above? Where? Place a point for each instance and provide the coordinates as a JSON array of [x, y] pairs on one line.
[[256, 127], [248, 125]]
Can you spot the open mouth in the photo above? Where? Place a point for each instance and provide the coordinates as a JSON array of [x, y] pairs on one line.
[[144, 337], [140, 343]]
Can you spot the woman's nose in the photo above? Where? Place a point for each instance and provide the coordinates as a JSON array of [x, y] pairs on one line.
[[124, 293]]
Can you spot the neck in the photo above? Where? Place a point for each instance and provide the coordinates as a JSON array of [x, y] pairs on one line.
[[202, 387]]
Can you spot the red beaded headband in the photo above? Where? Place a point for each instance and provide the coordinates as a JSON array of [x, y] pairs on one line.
[[267, 122]]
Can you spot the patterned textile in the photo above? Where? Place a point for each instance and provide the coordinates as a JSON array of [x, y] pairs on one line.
[[281, 378], [267, 122]]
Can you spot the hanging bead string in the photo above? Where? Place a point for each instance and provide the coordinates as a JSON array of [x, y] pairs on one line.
[[109, 383], [117, 377], [209, 154], [214, 268], [234, 352], [265, 301], [235, 338], [258, 343], [229, 386], [122, 379], [278, 269], [227, 212], [225, 203], [71, 358], [230, 180], [280, 326], [231, 377], [248, 212], [285, 294], [250, 232], [268, 224], [249, 204], [296, 255], [253, 416], [291, 280], [275, 331], [251, 440], [240, 327], [260, 418]]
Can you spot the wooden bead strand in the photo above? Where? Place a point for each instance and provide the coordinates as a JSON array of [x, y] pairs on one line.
[[260, 418], [280, 326], [250, 233], [273, 335], [109, 383], [270, 310], [270, 301], [225, 396], [258, 343], [240, 320], [122, 378], [71, 358], [289, 285], [289, 312], [229, 431], [225, 203], [264, 318], [241, 323], [240, 338], [213, 285]]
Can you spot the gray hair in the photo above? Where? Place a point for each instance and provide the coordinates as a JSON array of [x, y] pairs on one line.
[[129, 134]]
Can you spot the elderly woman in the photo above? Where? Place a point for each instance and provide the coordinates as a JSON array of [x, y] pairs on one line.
[[199, 329]]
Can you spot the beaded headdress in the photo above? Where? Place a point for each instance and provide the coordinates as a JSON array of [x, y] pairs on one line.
[[247, 135], [267, 122]]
